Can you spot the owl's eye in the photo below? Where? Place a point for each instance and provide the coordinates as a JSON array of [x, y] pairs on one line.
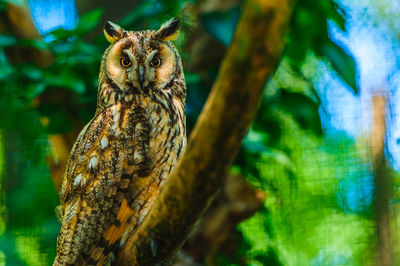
[[155, 62], [125, 62]]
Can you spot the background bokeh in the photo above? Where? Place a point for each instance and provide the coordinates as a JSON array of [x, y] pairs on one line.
[[312, 155]]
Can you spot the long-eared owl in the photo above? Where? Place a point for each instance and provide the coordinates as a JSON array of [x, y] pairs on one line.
[[122, 157]]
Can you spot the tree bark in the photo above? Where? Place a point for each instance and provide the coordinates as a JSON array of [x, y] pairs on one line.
[[216, 233], [383, 183], [251, 59]]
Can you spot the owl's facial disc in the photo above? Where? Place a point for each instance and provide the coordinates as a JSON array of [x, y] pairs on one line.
[[141, 60], [141, 63], [154, 67]]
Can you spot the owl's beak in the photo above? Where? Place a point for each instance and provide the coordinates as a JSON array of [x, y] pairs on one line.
[[141, 76]]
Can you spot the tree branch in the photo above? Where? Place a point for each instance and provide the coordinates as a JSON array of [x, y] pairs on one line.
[[251, 59], [383, 183], [215, 232]]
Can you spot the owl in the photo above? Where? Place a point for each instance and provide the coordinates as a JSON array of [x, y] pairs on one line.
[[122, 157]]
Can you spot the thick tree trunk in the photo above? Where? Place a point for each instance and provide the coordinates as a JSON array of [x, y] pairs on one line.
[[251, 59]]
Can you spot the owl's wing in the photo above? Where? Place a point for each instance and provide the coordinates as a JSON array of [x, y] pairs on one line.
[[99, 186]]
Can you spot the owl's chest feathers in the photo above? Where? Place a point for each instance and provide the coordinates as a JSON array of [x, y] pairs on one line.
[[127, 140], [156, 133]]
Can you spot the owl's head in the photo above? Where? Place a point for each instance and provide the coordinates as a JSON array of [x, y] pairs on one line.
[[140, 62]]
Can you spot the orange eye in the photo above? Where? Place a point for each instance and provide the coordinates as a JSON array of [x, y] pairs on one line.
[[155, 62], [125, 62]]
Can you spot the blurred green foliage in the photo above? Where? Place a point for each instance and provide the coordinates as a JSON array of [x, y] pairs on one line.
[[302, 222], [309, 32]]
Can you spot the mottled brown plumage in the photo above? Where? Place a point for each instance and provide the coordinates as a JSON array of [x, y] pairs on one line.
[[123, 156]]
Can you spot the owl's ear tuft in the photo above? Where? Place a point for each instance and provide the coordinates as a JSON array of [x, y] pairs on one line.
[[169, 30], [113, 32]]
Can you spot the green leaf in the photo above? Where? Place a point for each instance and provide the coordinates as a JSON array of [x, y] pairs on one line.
[[59, 122], [254, 142], [302, 108], [7, 40], [144, 9], [305, 26], [89, 20], [61, 33], [31, 71], [34, 89], [192, 77], [342, 62], [38, 44], [338, 15], [67, 80], [14, 2], [308, 26], [63, 48]]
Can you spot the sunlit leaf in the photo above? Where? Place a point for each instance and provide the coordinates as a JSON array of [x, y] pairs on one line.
[[254, 142]]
